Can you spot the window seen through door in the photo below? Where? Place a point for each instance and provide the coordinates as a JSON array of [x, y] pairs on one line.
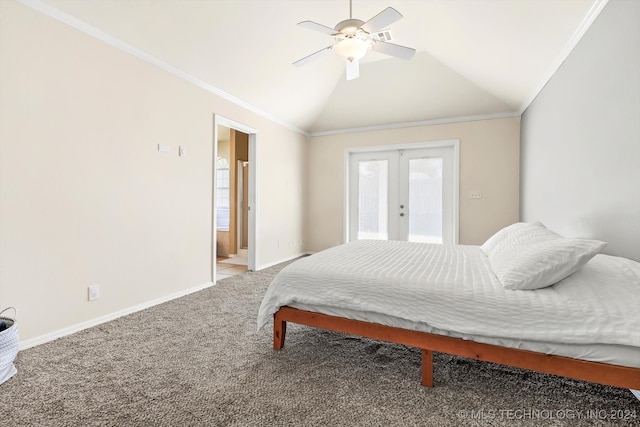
[[222, 193]]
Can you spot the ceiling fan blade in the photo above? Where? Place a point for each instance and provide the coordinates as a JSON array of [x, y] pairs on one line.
[[353, 69], [313, 56], [395, 50], [381, 20], [317, 27]]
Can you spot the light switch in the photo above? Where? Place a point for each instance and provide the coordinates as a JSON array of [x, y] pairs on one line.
[[475, 195], [163, 148], [182, 151]]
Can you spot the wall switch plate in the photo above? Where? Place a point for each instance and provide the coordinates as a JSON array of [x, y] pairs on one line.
[[182, 151], [94, 292], [475, 195], [163, 148]]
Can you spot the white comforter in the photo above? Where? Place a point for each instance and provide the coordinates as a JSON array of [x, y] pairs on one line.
[[452, 288]]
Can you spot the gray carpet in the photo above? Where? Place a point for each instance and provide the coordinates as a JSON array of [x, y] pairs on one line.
[[198, 361]]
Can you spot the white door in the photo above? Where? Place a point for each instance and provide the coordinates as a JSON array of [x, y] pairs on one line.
[[406, 194], [371, 177]]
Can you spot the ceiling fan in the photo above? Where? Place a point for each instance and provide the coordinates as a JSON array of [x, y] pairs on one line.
[[354, 38]]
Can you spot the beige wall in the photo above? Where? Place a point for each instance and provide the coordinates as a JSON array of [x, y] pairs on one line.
[[86, 198], [489, 162], [224, 149]]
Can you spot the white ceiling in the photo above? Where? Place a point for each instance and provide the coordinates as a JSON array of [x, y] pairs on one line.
[[474, 57]]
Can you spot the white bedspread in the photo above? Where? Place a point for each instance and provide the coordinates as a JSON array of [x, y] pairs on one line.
[[452, 288]]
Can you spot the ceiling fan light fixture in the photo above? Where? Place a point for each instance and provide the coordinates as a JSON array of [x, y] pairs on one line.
[[352, 48], [354, 38]]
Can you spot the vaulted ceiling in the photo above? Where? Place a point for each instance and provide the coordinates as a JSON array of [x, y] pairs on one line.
[[475, 58]]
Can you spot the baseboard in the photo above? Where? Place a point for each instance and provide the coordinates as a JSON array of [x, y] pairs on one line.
[[42, 339], [289, 258]]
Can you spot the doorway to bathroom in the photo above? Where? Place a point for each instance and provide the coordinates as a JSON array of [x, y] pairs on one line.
[[233, 221]]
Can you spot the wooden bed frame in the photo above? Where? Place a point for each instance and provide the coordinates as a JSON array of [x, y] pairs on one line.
[[614, 375]]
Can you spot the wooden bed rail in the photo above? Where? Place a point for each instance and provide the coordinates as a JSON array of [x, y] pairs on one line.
[[602, 373]]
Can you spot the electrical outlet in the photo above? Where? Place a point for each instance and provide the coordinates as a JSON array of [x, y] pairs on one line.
[[94, 292]]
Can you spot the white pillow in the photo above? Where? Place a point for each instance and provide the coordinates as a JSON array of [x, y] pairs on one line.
[[494, 240], [532, 257]]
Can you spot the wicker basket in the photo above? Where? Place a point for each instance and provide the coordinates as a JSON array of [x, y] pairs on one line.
[[8, 346]]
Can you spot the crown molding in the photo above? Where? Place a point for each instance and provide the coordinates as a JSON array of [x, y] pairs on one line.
[[585, 24], [392, 126], [109, 39]]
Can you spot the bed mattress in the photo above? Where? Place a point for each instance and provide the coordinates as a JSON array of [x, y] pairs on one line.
[[451, 290]]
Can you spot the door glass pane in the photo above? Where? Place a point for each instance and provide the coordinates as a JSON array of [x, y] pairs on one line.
[[425, 200], [372, 199]]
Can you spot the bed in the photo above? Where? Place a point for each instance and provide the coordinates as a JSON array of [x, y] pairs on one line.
[[526, 298]]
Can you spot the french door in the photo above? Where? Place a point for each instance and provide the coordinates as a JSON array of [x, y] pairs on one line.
[[406, 194]]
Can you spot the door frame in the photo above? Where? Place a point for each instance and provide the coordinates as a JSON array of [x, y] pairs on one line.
[[240, 169], [252, 260], [449, 143]]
